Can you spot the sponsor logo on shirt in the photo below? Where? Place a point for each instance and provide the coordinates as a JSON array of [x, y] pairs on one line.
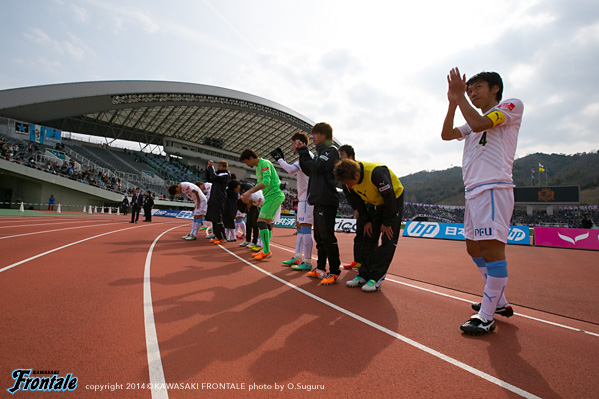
[[384, 188], [509, 106], [483, 232], [264, 169]]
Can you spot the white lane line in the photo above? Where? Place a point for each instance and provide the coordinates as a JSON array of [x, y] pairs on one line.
[[515, 314], [469, 301], [55, 230], [41, 224], [63, 247], [417, 345], [157, 380]]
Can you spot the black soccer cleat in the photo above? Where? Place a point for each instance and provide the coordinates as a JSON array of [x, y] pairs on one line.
[[505, 311], [478, 325]]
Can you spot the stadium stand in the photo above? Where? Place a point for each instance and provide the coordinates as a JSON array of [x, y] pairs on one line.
[[122, 170]]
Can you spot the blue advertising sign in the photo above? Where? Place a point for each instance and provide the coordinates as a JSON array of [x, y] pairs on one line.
[[172, 213], [455, 231]]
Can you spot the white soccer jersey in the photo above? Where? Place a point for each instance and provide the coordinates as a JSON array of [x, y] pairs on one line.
[[489, 156], [257, 199], [302, 178], [188, 188], [208, 188]]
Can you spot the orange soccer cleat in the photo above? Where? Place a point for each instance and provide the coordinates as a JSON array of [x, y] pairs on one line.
[[261, 255]]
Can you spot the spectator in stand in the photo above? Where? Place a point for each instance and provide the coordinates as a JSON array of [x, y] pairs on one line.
[[587, 222]]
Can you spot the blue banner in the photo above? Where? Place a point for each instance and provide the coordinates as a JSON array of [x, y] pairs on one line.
[[172, 213], [455, 231]]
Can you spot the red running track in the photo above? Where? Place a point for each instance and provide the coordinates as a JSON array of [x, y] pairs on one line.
[[219, 324]]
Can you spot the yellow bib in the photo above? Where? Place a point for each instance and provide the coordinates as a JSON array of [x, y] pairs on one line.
[[368, 191]]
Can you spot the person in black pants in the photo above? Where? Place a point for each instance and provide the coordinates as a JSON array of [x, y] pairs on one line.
[[218, 196], [374, 184], [322, 193], [125, 205], [251, 225], [136, 203], [148, 204], [346, 151]]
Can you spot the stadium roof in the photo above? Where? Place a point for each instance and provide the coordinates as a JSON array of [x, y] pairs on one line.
[[150, 111]]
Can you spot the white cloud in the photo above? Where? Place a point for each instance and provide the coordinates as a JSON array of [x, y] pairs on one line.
[[375, 71]]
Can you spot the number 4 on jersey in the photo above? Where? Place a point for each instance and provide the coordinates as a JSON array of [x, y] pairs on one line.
[[483, 139]]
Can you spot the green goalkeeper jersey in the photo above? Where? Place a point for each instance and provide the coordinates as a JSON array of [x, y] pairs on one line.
[[267, 175]]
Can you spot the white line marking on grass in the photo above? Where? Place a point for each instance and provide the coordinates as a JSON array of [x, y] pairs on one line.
[[157, 380], [417, 345], [63, 247]]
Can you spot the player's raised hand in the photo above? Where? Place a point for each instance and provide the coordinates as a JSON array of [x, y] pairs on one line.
[[456, 83], [298, 144]]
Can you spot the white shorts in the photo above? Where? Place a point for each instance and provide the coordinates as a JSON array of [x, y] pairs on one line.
[[488, 215], [305, 213], [202, 209]]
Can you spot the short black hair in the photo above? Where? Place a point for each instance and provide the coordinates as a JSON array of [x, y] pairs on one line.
[[172, 190], [247, 154], [492, 78], [301, 136], [323, 128], [349, 150], [346, 170]]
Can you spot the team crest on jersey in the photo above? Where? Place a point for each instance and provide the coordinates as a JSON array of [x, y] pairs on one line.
[[509, 106]]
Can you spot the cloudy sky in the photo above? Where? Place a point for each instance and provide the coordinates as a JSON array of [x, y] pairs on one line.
[[375, 70]]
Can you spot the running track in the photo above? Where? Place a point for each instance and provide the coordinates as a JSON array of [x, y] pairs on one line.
[[120, 305]]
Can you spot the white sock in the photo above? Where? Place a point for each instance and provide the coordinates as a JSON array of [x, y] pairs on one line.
[[482, 268], [298, 243], [493, 293], [241, 227], [307, 245], [195, 226]]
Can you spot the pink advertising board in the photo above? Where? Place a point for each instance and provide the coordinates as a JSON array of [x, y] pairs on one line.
[[567, 238]]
